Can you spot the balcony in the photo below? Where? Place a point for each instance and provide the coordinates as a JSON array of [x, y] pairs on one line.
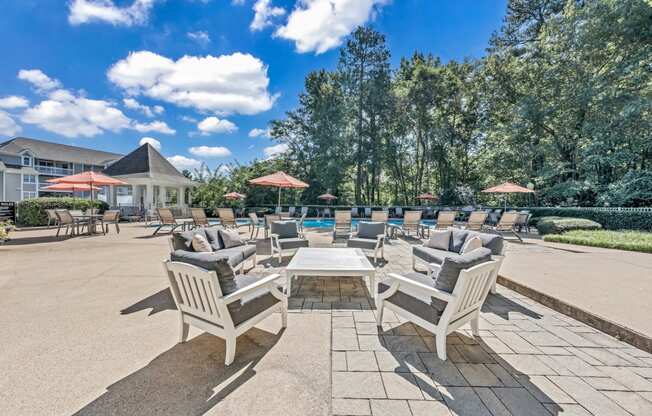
[[53, 170]]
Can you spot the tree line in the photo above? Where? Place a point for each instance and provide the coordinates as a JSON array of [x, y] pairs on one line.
[[562, 100]]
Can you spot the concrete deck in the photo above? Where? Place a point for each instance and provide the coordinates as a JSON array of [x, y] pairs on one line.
[[89, 328]]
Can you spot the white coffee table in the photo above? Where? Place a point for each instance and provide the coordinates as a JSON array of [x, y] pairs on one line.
[[349, 262]]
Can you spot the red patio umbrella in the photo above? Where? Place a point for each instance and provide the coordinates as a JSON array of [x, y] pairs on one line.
[[327, 197], [427, 196], [71, 187], [508, 188], [234, 195], [279, 180]]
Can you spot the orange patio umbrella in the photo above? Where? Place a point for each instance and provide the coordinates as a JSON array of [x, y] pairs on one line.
[[90, 178], [234, 195], [279, 180], [82, 187], [508, 188], [327, 197]]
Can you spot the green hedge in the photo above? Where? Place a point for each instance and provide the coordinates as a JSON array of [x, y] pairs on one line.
[[558, 225], [609, 219], [31, 212], [622, 240]]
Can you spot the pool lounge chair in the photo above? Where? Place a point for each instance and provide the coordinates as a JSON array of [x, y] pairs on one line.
[[380, 216], [476, 221], [166, 219], [398, 212], [224, 305], [507, 224], [227, 217], [326, 213], [445, 219], [304, 211], [418, 298], [367, 212], [354, 212], [342, 224], [411, 223], [291, 211], [199, 217]]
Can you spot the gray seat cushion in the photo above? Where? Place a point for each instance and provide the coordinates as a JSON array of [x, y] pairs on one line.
[[252, 304], [248, 250], [234, 254], [209, 261], [428, 308], [432, 255], [285, 229], [370, 230], [450, 269], [364, 243], [290, 243]]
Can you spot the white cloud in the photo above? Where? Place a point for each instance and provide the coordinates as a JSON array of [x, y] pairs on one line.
[[260, 132], [215, 125], [157, 126], [152, 142], [72, 114], [237, 2], [189, 119], [182, 162], [201, 36], [319, 25], [13, 101], [264, 13], [273, 151], [8, 126], [86, 11], [145, 109], [38, 79], [225, 84], [207, 151]]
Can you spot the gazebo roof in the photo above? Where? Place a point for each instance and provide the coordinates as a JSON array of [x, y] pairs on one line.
[[146, 162]]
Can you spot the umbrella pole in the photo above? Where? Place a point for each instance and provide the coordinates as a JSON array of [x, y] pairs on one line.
[[279, 197]]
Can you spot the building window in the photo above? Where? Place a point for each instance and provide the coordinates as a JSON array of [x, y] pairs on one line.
[[27, 160], [29, 194], [29, 178]]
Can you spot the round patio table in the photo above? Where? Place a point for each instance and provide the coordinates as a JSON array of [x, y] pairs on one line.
[[91, 221]]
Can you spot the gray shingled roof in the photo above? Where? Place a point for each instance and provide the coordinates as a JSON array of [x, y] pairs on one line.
[[59, 152], [144, 161]]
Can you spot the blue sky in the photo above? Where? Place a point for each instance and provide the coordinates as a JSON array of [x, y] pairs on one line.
[[201, 77]]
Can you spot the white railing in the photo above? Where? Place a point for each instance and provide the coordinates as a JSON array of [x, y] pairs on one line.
[[53, 170]]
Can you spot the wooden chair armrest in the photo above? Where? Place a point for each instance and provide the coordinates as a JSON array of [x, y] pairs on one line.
[[428, 290], [238, 294]]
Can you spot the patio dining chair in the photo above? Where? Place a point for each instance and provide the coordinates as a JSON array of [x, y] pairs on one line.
[[445, 219], [72, 224], [227, 217], [417, 298], [110, 217], [52, 217], [166, 219], [476, 220], [269, 219], [342, 224], [255, 224], [205, 301]]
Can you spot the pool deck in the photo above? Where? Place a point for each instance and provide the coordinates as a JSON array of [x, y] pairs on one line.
[[89, 328]]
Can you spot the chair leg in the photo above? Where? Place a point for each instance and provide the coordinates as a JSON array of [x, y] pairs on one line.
[[380, 307], [184, 328], [58, 230], [117, 228], [440, 343], [475, 325], [230, 349], [284, 313], [157, 229]]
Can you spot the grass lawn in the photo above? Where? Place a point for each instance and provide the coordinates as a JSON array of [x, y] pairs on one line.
[[623, 240]]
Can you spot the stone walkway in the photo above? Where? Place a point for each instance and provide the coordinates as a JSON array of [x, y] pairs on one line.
[[93, 331]]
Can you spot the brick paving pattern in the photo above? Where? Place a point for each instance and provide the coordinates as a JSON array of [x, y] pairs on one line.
[[528, 360]]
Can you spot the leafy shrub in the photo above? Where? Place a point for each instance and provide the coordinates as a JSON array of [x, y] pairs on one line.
[[622, 240], [558, 225], [632, 190], [31, 212], [610, 219]]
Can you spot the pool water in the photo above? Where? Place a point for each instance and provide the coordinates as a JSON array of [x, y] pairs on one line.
[[329, 222]]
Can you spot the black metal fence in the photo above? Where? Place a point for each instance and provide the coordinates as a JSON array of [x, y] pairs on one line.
[[8, 211]]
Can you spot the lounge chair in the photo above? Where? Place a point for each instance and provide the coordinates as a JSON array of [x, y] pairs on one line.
[[342, 224], [367, 212], [108, 218], [507, 224], [398, 212], [199, 217], [278, 210], [291, 211], [300, 222], [285, 236], [227, 218], [411, 222], [256, 224], [304, 211], [326, 213], [380, 216], [445, 219], [444, 311], [523, 221], [476, 221], [223, 305], [354, 212], [269, 219], [370, 236], [166, 219]]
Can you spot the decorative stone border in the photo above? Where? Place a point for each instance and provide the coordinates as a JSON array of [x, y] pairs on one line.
[[616, 330]]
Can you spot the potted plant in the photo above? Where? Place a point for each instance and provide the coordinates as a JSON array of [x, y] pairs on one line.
[[5, 228]]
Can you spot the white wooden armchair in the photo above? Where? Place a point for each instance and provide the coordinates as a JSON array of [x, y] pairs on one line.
[[411, 296], [201, 303], [370, 236], [286, 236]]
